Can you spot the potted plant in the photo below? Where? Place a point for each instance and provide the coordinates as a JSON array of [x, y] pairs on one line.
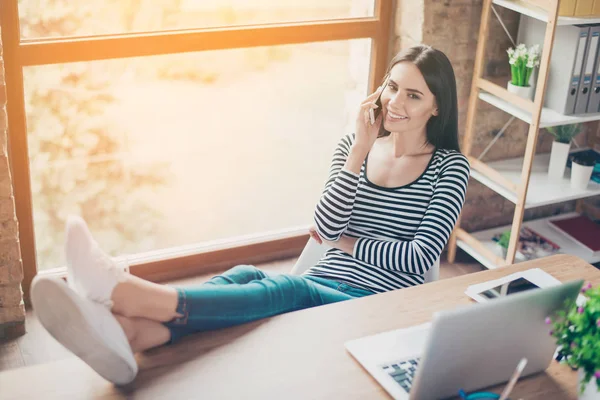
[[503, 242], [581, 169], [577, 332], [522, 62], [563, 134]]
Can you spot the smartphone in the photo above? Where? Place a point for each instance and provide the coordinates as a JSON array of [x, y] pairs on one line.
[[374, 113], [377, 111]]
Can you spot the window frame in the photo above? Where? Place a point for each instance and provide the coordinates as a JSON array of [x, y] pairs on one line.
[[183, 261]]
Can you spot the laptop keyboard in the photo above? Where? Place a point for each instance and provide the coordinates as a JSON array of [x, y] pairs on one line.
[[403, 372]]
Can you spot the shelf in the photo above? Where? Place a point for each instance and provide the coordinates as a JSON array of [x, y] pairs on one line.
[[549, 117], [541, 226], [504, 177], [540, 14], [542, 190]]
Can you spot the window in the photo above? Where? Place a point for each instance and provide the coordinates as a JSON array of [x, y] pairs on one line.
[[165, 151], [174, 138], [101, 17]]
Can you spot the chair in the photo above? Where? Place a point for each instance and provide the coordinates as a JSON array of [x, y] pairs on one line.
[[313, 252]]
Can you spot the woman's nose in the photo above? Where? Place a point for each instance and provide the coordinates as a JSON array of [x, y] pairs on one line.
[[397, 101]]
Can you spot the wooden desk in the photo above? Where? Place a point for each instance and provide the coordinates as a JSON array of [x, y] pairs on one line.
[[294, 356]]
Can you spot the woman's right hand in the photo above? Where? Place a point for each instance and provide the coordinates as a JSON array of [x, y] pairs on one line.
[[312, 231], [366, 133]]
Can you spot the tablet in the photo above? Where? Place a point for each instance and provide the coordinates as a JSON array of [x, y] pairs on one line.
[[530, 279]]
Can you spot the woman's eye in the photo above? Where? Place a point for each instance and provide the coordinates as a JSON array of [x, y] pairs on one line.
[[413, 96]]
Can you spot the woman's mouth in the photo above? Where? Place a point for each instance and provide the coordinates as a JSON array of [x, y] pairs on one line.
[[395, 117]]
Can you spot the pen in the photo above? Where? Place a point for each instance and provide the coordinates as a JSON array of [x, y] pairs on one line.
[[477, 395], [513, 379]]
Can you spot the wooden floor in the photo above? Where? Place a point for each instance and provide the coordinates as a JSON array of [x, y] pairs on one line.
[[38, 347]]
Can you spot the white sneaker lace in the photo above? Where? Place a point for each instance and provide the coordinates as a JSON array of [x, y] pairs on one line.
[[117, 268]]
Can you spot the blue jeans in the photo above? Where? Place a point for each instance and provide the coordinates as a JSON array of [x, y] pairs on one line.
[[245, 293]]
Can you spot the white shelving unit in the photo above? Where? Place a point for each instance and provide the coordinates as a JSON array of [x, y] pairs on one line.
[[542, 190], [541, 226], [538, 13], [549, 117], [505, 177]]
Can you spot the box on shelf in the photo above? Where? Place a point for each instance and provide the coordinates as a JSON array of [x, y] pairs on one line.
[[581, 230], [579, 8], [566, 8]]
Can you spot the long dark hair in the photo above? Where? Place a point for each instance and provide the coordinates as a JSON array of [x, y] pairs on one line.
[[442, 130]]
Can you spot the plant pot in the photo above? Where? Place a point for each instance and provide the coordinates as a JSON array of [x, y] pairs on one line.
[[503, 251], [580, 175], [523, 91], [558, 159], [591, 389]]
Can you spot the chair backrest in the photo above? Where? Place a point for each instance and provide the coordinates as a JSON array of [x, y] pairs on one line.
[[313, 252]]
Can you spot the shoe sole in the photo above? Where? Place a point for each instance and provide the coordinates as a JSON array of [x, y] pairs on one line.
[[57, 308]]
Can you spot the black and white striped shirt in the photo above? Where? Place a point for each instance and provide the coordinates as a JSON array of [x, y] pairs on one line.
[[401, 231]]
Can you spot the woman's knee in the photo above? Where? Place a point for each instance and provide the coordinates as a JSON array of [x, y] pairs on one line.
[[248, 270]]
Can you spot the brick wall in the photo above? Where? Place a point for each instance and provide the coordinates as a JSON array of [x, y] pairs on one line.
[[12, 311], [594, 139]]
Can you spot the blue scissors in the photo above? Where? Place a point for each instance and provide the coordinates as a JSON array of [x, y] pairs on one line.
[[478, 395]]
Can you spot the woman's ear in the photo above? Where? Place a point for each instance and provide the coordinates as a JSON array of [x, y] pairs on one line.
[[436, 110]]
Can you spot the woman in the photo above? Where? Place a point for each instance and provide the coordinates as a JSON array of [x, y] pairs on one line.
[[395, 190]]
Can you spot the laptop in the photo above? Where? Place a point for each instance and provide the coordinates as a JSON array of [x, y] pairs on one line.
[[470, 347]]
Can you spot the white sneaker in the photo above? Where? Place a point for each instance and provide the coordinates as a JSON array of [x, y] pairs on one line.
[[86, 328], [90, 271]]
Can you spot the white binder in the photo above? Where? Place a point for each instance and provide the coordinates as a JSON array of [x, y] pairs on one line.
[[587, 73], [594, 102]]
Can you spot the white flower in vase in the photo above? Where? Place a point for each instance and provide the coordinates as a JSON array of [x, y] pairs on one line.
[[522, 63]]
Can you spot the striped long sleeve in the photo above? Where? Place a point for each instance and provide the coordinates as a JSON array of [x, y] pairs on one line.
[[400, 231], [334, 208], [416, 256]]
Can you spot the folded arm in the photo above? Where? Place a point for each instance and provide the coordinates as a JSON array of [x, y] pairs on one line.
[[416, 256]]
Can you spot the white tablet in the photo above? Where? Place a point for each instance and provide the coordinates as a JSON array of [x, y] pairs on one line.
[[518, 282]]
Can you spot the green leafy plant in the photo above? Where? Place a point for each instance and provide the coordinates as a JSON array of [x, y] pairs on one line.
[[504, 239], [577, 332], [584, 159], [564, 133], [522, 62]]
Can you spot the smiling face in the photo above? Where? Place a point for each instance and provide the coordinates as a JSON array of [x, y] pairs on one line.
[[407, 103]]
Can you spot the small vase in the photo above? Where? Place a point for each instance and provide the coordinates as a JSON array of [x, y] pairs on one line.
[[502, 251], [591, 389], [580, 175], [523, 91], [558, 160]]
